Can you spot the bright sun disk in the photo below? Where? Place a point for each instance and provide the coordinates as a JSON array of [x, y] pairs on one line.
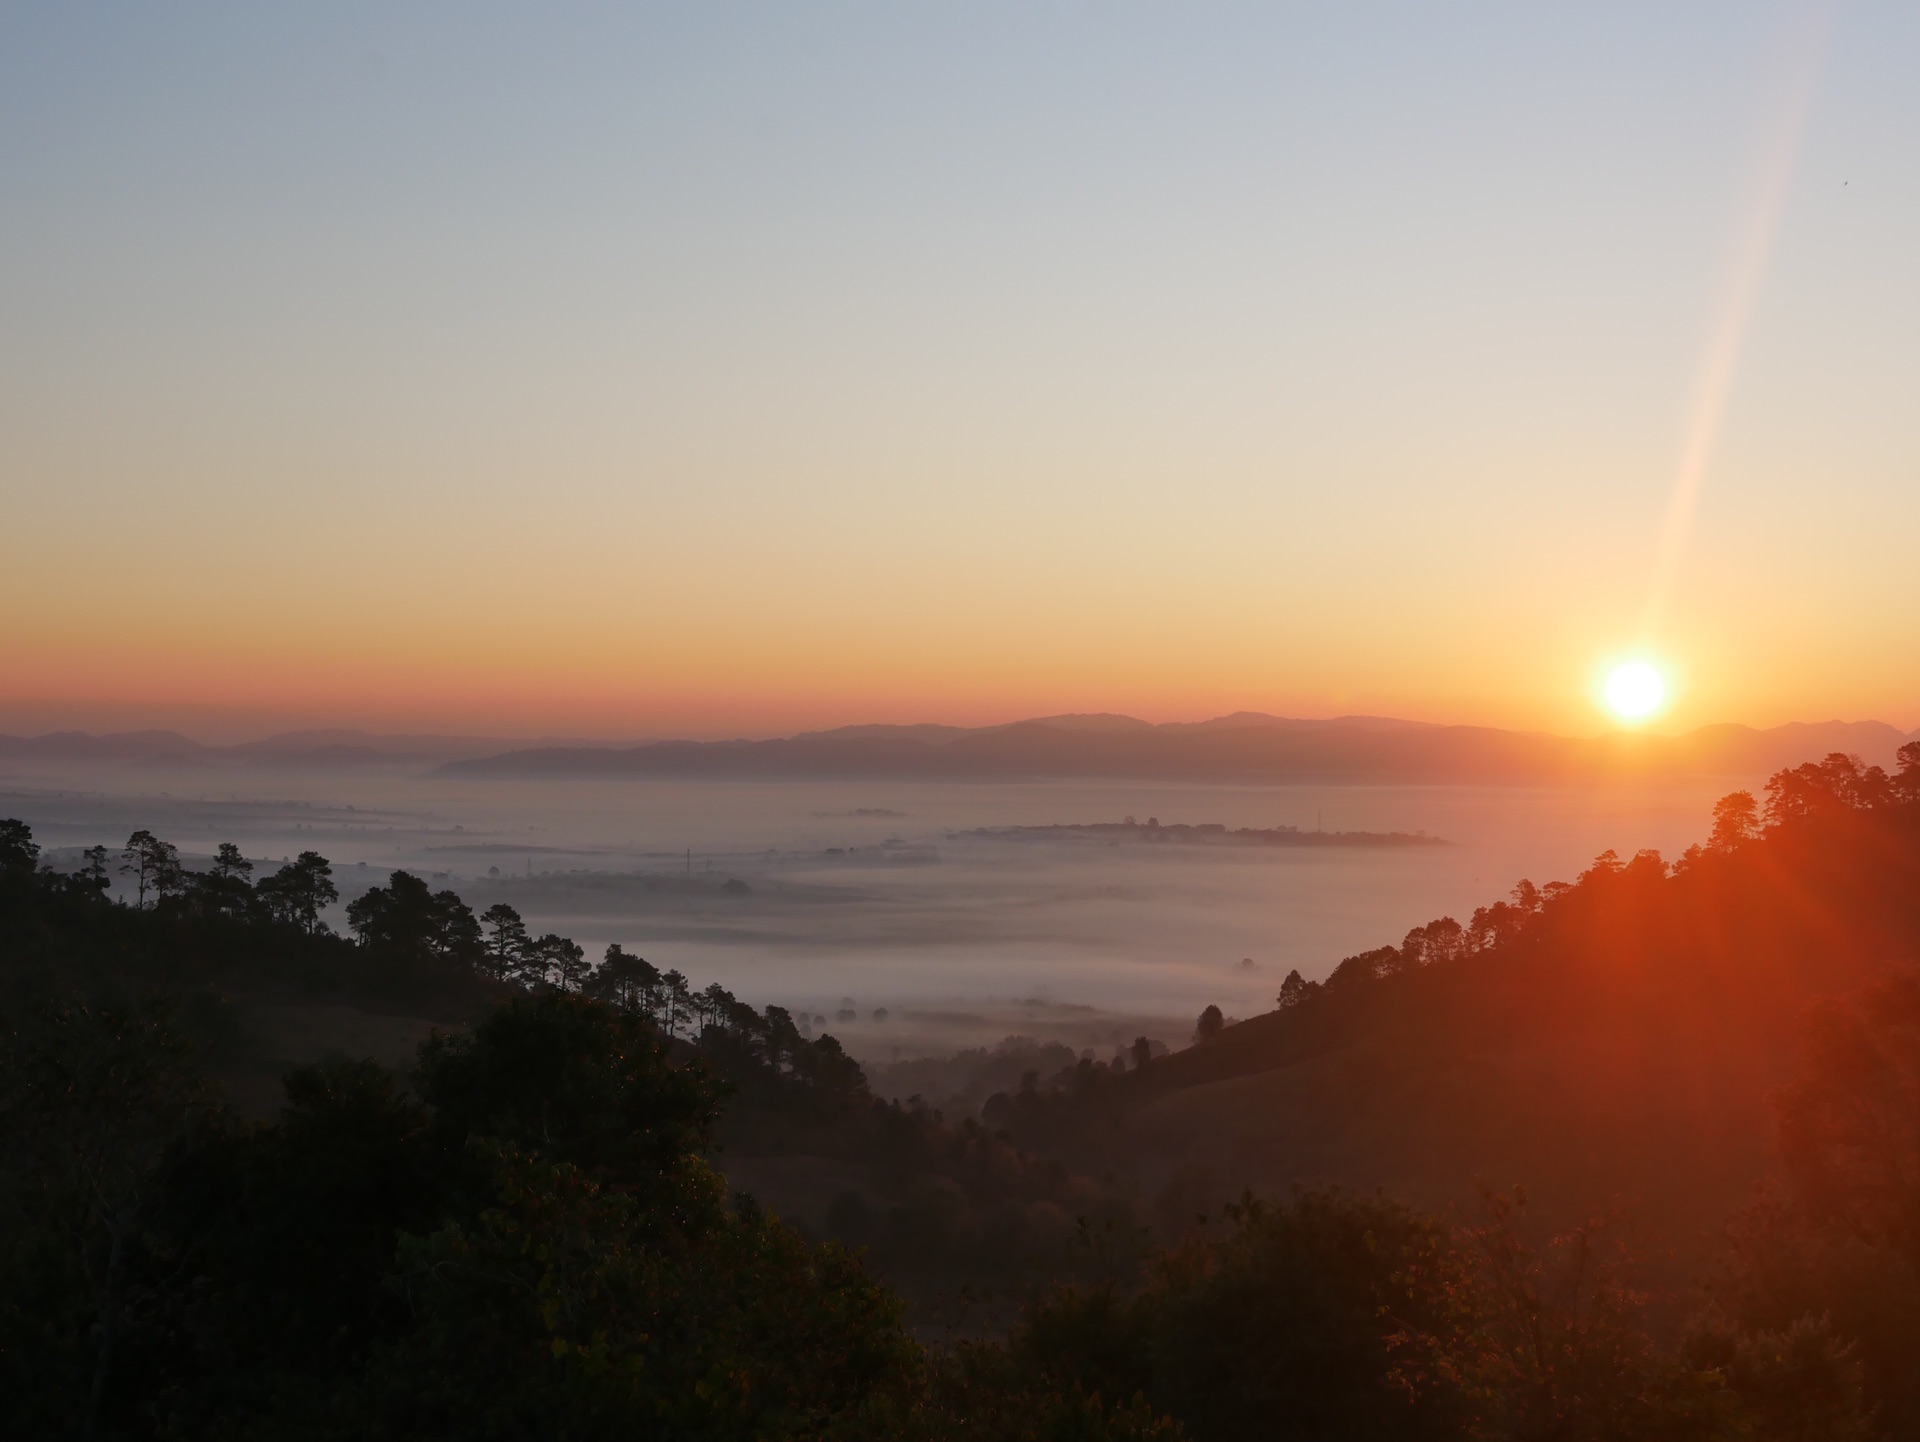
[[1634, 691]]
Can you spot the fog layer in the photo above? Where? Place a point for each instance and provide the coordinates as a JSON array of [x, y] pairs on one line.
[[871, 896]]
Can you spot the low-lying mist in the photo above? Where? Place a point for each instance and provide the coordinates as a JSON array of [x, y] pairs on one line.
[[902, 916]]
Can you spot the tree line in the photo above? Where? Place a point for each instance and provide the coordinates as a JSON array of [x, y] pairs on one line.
[[1795, 796], [406, 920]]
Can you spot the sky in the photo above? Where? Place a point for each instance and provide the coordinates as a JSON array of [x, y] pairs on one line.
[[734, 369]]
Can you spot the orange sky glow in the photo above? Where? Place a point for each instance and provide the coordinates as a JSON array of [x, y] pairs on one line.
[[680, 379]]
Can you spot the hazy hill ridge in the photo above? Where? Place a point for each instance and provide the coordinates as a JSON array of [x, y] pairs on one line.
[[1246, 746], [329, 747]]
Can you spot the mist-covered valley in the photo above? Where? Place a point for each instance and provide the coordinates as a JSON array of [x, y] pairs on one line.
[[907, 918]]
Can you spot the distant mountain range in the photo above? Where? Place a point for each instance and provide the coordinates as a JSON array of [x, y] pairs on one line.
[[292, 748], [1246, 746]]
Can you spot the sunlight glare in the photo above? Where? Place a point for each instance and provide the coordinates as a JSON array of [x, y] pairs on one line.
[[1634, 691]]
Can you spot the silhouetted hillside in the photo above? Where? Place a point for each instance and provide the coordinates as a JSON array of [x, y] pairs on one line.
[[1618, 1037]]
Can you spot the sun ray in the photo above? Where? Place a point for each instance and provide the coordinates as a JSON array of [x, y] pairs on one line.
[[1714, 382]]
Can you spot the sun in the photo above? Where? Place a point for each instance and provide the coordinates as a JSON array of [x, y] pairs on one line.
[[1634, 690]]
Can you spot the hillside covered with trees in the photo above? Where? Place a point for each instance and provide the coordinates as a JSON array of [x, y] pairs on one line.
[[1430, 1197], [1617, 1035]]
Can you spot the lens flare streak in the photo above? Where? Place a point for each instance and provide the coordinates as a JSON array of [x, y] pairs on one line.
[[1757, 232]]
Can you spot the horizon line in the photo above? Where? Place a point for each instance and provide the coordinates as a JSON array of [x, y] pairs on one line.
[[552, 740]]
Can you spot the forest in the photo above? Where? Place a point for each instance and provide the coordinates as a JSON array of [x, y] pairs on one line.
[[1632, 1156]]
